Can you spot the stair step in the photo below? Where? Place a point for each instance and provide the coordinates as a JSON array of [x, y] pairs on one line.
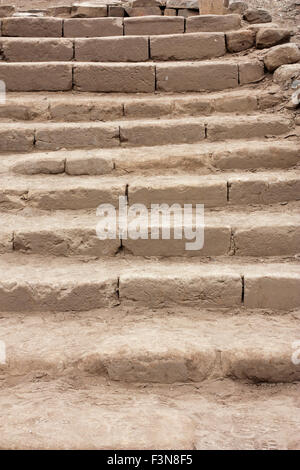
[[222, 415], [55, 192], [235, 233], [195, 46], [192, 348], [64, 284], [72, 107], [28, 136], [228, 155], [139, 77]]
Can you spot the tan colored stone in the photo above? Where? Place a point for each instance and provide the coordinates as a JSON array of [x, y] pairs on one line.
[[47, 76], [6, 10], [36, 50], [286, 74], [270, 37], [199, 286], [88, 10], [263, 188], [187, 13], [211, 7], [143, 11], [60, 11], [212, 23], [161, 132], [55, 136], [251, 72], [274, 290], [121, 49], [257, 16], [197, 76], [153, 25], [170, 12], [246, 127], [93, 27], [32, 27], [127, 78], [16, 139], [281, 55], [207, 190], [188, 46], [241, 40], [116, 11]]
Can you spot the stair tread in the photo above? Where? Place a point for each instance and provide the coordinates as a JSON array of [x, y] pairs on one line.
[[110, 416], [145, 346]]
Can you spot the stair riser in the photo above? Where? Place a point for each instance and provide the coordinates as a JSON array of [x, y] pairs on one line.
[[122, 49], [178, 366], [255, 157], [99, 27], [218, 241], [54, 136], [128, 78], [77, 110], [208, 291], [211, 195]]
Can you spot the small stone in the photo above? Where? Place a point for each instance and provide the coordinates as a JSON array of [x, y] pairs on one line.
[[286, 74], [240, 40], [238, 7], [280, 55], [6, 10], [88, 10], [116, 11], [270, 37], [189, 4], [257, 16], [143, 11], [170, 12], [59, 11], [186, 13]]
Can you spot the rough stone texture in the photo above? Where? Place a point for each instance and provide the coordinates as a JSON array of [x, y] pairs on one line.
[[187, 47], [211, 7], [238, 7], [189, 4], [116, 11], [153, 25], [281, 55], [237, 41], [6, 10], [57, 136], [257, 16], [276, 290], [93, 27], [190, 189], [36, 50], [124, 49], [212, 23], [201, 287], [88, 10], [251, 72], [170, 12], [16, 140], [187, 13], [286, 74], [143, 11], [164, 132], [114, 78], [32, 27], [60, 11], [270, 37], [196, 77], [48, 76]]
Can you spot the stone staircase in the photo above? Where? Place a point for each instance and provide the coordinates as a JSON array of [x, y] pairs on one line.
[[141, 343]]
